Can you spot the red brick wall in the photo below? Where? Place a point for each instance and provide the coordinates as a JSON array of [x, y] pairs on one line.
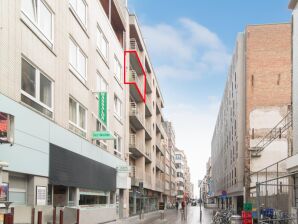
[[268, 62]]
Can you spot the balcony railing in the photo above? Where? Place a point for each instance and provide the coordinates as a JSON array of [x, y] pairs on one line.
[[148, 152], [133, 77], [160, 164], [134, 46], [134, 111], [148, 127], [134, 143]]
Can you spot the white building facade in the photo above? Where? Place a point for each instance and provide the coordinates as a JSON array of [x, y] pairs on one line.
[[56, 56]]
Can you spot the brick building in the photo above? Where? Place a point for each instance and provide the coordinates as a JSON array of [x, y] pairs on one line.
[[257, 96]]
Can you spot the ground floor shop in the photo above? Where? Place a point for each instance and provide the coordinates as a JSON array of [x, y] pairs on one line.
[[50, 167], [230, 202], [146, 201]]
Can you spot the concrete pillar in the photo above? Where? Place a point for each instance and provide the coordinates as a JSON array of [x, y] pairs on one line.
[[134, 201]]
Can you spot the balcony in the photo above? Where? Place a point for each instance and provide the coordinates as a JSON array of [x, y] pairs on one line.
[[115, 11], [158, 107], [134, 180], [136, 118], [159, 186], [148, 155], [159, 146], [134, 78], [136, 147], [160, 165], [180, 188], [134, 60], [148, 131], [148, 107], [148, 82]]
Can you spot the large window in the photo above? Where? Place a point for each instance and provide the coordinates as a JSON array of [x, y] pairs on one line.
[[102, 43], [101, 84], [90, 198], [80, 8], [117, 145], [36, 89], [40, 16], [77, 117], [77, 60], [117, 69], [117, 106]]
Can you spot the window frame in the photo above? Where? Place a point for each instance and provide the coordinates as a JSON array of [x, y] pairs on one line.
[[78, 104], [74, 9], [99, 80], [34, 25], [118, 116], [117, 61], [102, 37], [117, 152], [103, 127], [36, 99], [74, 69]]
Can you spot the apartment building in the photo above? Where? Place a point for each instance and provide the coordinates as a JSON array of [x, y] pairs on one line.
[[227, 145], [188, 185], [207, 188], [147, 138], [58, 60], [183, 175], [170, 162], [256, 98], [292, 163]]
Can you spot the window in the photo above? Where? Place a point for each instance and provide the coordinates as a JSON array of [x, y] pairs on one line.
[[117, 69], [102, 43], [71, 196], [117, 145], [101, 85], [80, 8], [117, 106], [36, 89], [77, 60], [50, 194], [86, 199], [101, 143], [178, 157], [40, 16], [77, 117]]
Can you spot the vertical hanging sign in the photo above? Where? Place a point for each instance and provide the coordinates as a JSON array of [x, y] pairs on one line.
[[102, 107]]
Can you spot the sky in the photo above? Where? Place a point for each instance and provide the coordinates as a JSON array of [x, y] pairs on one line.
[[190, 43]]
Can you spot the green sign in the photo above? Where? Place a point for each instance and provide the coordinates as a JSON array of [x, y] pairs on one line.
[[103, 135], [102, 107]]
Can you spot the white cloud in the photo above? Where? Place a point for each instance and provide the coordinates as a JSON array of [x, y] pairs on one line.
[[187, 50]]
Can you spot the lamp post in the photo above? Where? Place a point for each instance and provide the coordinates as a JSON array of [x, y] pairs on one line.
[[200, 186]]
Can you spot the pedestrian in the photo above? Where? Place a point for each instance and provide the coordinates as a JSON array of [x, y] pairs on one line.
[[183, 217], [177, 205]]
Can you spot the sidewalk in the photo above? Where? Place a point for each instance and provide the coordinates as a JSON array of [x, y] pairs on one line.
[[136, 219]]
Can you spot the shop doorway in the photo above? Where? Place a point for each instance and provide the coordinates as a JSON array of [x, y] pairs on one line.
[[60, 196]]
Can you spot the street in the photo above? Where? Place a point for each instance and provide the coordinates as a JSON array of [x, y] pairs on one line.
[[174, 217]]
